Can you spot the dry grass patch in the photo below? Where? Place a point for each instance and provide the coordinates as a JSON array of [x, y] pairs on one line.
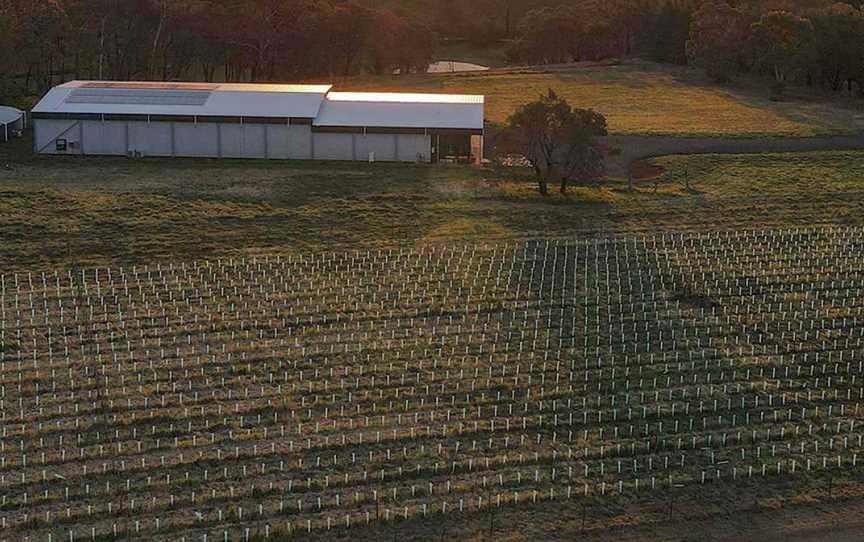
[[463, 228], [523, 190], [101, 210], [642, 98]]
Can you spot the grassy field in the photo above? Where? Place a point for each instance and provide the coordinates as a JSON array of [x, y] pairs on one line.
[[775, 511], [64, 212], [432, 391], [644, 98], [67, 212]]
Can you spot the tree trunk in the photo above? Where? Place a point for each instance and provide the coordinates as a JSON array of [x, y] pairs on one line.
[[29, 76], [543, 187], [101, 49], [163, 13], [508, 20]]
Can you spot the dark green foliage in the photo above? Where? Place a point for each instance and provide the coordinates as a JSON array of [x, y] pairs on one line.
[[718, 34], [558, 140], [814, 42], [836, 48], [571, 32], [664, 33], [232, 40], [780, 44]]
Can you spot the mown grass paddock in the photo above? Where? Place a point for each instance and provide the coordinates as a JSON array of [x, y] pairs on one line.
[[59, 213], [311, 392], [645, 98]]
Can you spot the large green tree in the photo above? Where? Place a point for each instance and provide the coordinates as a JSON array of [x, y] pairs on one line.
[[780, 46], [559, 141], [836, 49]]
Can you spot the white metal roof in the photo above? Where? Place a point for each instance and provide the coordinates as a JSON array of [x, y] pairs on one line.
[[354, 109], [8, 115], [397, 110], [202, 99], [404, 97]]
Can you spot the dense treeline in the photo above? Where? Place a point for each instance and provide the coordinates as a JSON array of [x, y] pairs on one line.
[[813, 42], [817, 44], [43, 42]]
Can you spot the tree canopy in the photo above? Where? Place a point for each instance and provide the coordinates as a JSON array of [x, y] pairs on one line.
[[234, 40], [559, 141], [813, 42], [717, 34]]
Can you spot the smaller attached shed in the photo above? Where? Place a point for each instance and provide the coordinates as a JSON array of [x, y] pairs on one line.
[[11, 122], [399, 127]]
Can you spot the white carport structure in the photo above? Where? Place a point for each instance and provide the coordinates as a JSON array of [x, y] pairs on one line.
[[254, 121], [11, 120]]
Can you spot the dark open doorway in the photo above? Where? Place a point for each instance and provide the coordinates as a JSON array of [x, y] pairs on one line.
[[451, 148]]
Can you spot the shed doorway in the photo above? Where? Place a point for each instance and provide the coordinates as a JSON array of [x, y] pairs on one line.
[[452, 148]]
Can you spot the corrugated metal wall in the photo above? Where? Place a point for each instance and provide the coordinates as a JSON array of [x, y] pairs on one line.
[[47, 131], [414, 147], [110, 137], [383, 145], [150, 138], [386, 147], [328, 146], [224, 140]]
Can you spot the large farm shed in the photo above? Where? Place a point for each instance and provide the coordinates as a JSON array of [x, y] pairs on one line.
[[255, 121]]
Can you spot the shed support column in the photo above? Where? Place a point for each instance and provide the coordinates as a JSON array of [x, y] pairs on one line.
[[5, 132], [173, 137], [311, 145], [126, 137], [81, 136], [266, 142], [396, 147], [354, 146], [219, 139]]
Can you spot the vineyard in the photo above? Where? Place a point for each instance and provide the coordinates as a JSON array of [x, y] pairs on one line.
[[282, 396]]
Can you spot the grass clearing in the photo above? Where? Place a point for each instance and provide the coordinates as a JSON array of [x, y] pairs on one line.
[[768, 175], [95, 211], [108, 211], [645, 98]]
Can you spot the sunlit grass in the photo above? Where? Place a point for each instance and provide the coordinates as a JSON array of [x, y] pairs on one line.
[[641, 99], [778, 174], [527, 191], [61, 212]]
